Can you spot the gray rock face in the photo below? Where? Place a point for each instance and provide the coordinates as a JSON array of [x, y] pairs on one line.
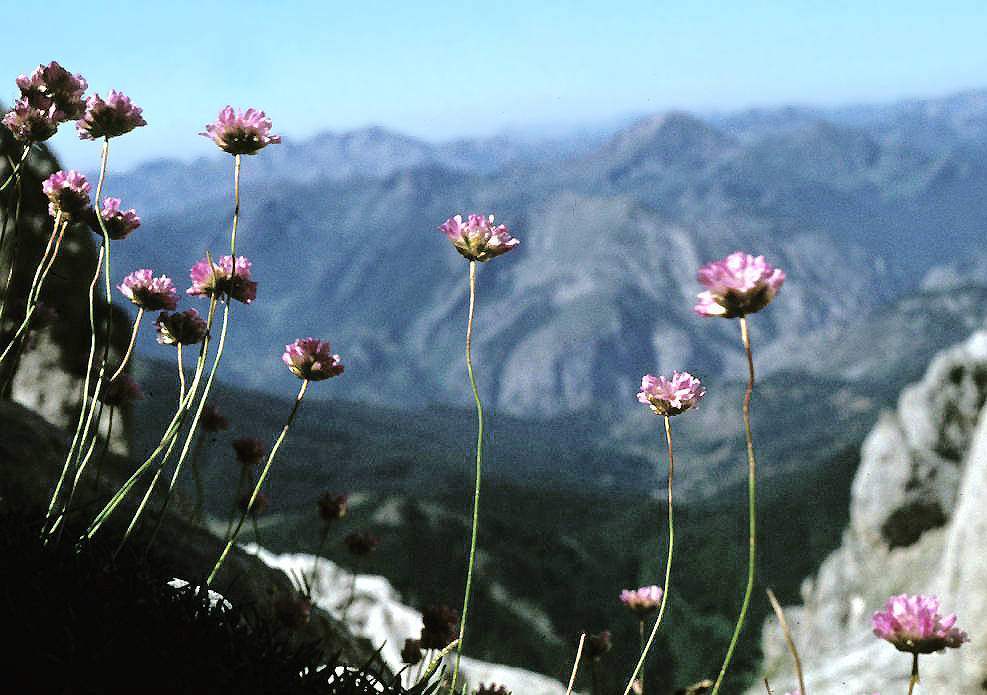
[[917, 526]]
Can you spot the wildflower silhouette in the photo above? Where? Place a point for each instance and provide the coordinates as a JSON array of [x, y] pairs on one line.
[[477, 240], [738, 285]]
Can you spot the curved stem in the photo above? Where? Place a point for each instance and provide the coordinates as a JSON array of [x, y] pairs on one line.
[[130, 345], [15, 171], [181, 375], [260, 482], [479, 460], [668, 566], [751, 505], [780, 614]]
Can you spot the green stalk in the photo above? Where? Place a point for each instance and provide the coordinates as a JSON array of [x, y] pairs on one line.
[[668, 567], [15, 171], [751, 505], [479, 459], [260, 482]]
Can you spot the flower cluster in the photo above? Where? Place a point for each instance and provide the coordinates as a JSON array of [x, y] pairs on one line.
[[670, 397], [185, 328], [738, 285], [107, 119], [478, 239], [30, 124], [597, 645], [361, 543], [257, 508], [440, 626], [68, 193], [119, 223], [332, 507], [50, 96], [249, 451], [212, 420], [148, 292], [310, 358], [411, 653], [241, 132], [913, 624], [643, 600], [223, 278], [121, 391]]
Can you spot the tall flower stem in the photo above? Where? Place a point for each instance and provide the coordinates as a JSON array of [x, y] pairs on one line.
[[236, 208], [479, 461], [130, 345], [914, 679], [15, 172], [260, 482], [646, 647], [751, 505], [780, 614]]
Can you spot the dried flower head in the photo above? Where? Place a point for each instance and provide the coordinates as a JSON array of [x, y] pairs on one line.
[[440, 626], [913, 624], [670, 397], [309, 358], [257, 508], [597, 645], [642, 601], [249, 451], [68, 193], [212, 420], [411, 653], [54, 85], [332, 507], [738, 285], [219, 279], [108, 119], [121, 391], [361, 542], [119, 223], [492, 689], [241, 132], [478, 239], [185, 328], [148, 292], [30, 124]]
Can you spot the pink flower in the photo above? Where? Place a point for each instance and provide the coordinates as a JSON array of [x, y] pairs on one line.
[[670, 397], [108, 119], [216, 280], [241, 132], [309, 358], [478, 239], [119, 223], [148, 292], [738, 285], [185, 328], [68, 192], [913, 624], [30, 124], [642, 601], [54, 85]]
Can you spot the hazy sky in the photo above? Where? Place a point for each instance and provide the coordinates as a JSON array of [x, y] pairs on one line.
[[446, 69]]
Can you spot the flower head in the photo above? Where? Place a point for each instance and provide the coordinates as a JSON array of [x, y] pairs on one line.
[[121, 391], [68, 193], [31, 124], [913, 624], [362, 543], [309, 358], [332, 507], [492, 689], [440, 626], [478, 239], [249, 451], [148, 292], [185, 328], [412, 651], [54, 85], [597, 645], [738, 285], [241, 132], [255, 509], [643, 600], [107, 119], [218, 279], [212, 420], [119, 223], [670, 397]]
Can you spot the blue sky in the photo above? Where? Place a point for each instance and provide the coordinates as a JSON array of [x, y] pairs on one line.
[[446, 69]]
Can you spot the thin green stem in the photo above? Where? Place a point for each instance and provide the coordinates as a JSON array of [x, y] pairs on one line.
[[639, 669], [260, 482], [751, 505], [130, 345], [15, 171], [236, 209], [479, 460], [914, 679], [780, 614], [575, 664]]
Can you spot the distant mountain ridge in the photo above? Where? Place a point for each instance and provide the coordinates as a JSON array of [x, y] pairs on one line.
[[341, 230]]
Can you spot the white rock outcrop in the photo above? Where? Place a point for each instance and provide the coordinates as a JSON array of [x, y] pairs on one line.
[[918, 525]]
